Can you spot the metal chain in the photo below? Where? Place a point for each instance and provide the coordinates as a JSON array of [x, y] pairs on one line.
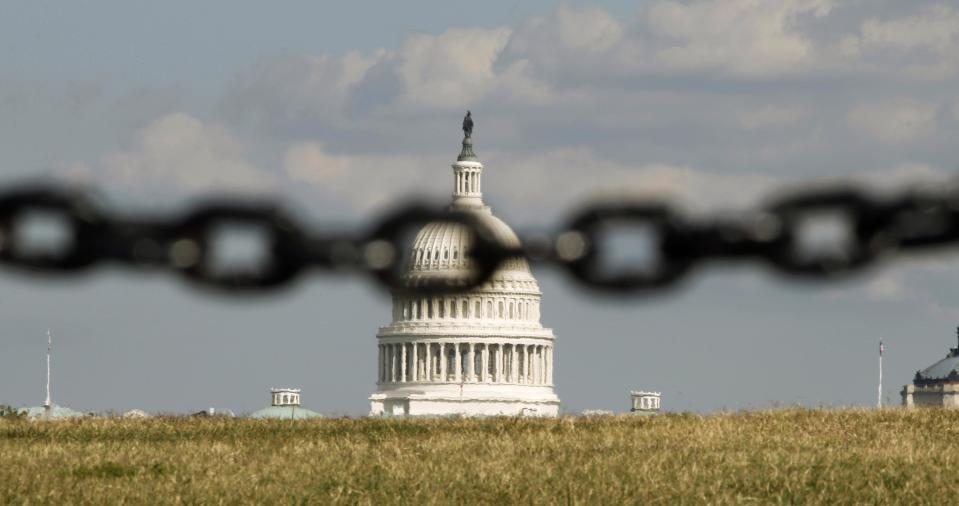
[[916, 219]]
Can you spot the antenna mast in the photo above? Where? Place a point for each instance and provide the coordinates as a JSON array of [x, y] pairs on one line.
[[47, 403]]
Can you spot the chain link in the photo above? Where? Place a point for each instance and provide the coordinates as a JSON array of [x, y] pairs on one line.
[[916, 219]]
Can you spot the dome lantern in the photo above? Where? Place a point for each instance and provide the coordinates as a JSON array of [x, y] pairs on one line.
[[467, 172], [285, 396]]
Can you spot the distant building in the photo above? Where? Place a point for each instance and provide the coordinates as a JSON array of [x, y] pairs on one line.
[[936, 385], [285, 405], [645, 402], [597, 412], [213, 412], [51, 412]]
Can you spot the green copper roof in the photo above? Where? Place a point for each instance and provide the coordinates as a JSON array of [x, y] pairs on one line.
[[467, 154], [285, 413], [941, 369]]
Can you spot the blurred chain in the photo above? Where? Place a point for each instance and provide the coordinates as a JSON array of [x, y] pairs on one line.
[[915, 219]]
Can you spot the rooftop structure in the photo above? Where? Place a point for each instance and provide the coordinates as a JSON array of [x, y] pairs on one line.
[[285, 396], [936, 385], [644, 402], [481, 352], [285, 406]]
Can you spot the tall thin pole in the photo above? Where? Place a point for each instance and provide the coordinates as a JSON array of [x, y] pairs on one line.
[[879, 398], [47, 403]]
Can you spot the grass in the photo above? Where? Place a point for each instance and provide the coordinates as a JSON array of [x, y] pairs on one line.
[[788, 456]]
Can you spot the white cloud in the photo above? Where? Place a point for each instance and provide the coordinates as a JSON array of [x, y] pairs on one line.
[[359, 182], [560, 88], [919, 46], [308, 163], [570, 41], [559, 179], [531, 188], [737, 37], [722, 38], [450, 69], [586, 69], [902, 120], [741, 39], [936, 28], [179, 154], [296, 88], [457, 68], [588, 29]]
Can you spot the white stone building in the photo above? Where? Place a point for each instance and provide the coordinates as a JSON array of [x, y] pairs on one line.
[[481, 352], [644, 402]]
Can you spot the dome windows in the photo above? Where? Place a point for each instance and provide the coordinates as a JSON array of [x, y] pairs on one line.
[[496, 308]]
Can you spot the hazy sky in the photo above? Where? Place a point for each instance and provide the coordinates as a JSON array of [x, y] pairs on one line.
[[344, 109]]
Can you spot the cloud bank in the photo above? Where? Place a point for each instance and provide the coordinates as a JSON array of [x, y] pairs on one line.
[[713, 99]]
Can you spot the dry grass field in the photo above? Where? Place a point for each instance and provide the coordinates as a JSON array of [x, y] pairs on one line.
[[788, 456]]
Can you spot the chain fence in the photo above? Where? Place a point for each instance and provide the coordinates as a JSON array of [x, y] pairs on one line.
[[874, 227]]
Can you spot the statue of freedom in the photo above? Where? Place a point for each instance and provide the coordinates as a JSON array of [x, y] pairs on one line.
[[468, 125]]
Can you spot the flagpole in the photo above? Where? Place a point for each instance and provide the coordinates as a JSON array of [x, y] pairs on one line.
[[47, 403], [879, 398]]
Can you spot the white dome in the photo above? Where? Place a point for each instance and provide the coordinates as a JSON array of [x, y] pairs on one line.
[[439, 248]]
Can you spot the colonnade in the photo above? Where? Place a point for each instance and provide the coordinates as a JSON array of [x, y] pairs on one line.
[[467, 181], [466, 362], [285, 399], [499, 308], [645, 403]]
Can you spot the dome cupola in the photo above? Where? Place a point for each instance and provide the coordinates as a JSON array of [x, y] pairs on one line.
[[467, 178], [284, 405]]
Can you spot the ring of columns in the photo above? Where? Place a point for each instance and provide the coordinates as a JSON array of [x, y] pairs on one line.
[[499, 362]]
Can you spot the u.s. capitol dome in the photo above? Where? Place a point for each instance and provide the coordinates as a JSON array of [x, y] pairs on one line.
[[481, 352]]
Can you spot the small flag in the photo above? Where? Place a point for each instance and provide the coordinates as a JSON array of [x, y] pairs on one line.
[[881, 348]]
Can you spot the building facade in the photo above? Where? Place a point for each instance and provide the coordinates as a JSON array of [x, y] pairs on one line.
[[478, 353]]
